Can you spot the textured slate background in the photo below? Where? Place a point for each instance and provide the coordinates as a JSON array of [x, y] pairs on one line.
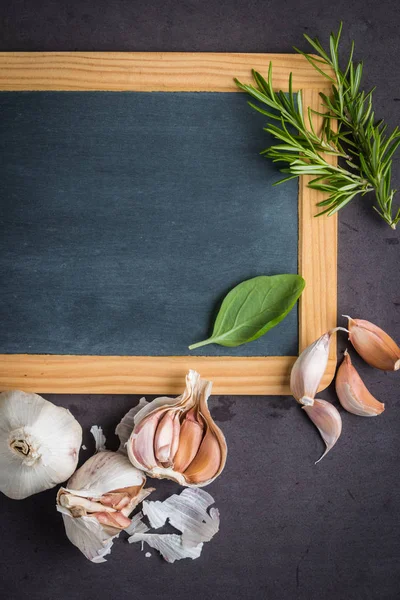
[[126, 217], [289, 530]]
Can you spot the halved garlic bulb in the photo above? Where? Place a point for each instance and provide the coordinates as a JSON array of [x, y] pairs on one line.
[[176, 438]]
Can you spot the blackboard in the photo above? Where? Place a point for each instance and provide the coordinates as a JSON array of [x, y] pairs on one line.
[[125, 217]]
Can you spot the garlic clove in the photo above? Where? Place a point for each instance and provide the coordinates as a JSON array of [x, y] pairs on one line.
[[89, 506], [119, 499], [136, 499], [309, 368], [175, 438], [116, 501], [206, 463], [328, 422], [374, 345], [165, 437], [124, 428], [211, 457], [143, 440], [39, 444], [117, 519], [195, 427], [191, 434], [352, 392]]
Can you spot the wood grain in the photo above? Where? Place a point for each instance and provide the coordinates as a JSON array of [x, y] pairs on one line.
[[317, 257], [148, 71], [317, 236], [144, 374]]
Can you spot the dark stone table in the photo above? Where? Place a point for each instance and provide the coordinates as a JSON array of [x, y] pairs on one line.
[[289, 529]]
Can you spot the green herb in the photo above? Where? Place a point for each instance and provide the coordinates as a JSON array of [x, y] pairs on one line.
[[252, 308], [361, 143]]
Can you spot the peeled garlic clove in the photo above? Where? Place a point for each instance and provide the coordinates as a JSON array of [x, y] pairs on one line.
[[191, 434], [39, 444], [309, 368], [352, 393], [374, 345], [200, 445], [98, 500], [328, 422]]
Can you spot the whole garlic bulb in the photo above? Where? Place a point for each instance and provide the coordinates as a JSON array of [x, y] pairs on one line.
[[39, 444], [176, 438]]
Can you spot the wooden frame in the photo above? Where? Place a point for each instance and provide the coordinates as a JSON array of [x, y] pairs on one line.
[[85, 71]]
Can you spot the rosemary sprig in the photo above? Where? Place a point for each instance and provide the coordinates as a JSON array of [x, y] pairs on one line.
[[361, 143]]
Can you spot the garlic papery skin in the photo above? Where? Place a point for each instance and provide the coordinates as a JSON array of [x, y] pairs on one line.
[[352, 392], [309, 368], [98, 500], [374, 345], [176, 438], [186, 512], [328, 422], [39, 444]]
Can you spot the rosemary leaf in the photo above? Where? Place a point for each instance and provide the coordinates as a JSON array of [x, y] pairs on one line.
[[364, 147]]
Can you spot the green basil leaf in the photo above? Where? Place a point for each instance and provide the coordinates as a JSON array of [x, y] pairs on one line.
[[252, 308]]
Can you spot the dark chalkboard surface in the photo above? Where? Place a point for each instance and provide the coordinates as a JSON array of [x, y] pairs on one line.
[[126, 217]]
